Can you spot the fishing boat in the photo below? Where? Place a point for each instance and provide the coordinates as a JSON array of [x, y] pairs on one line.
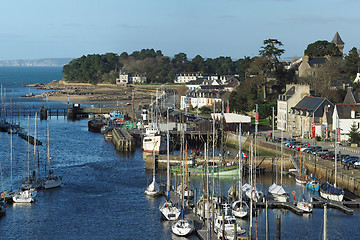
[[330, 192], [95, 125], [313, 185], [25, 196], [108, 136], [225, 224], [278, 192], [154, 142]]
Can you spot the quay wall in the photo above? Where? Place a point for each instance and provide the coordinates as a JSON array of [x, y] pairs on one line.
[[123, 141]]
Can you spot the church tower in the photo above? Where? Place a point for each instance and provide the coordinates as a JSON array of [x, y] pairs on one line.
[[338, 42]]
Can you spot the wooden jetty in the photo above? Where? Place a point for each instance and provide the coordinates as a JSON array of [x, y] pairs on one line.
[[122, 140], [319, 202]]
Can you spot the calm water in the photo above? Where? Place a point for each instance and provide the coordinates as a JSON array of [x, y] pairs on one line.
[[103, 191]]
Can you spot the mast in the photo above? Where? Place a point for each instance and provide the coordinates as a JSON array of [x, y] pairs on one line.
[[213, 169], [240, 166], [28, 144], [11, 159], [282, 156], [168, 151], [251, 187], [337, 140], [35, 142], [48, 143]]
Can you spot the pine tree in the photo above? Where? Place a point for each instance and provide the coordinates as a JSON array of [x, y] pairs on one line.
[[354, 133]]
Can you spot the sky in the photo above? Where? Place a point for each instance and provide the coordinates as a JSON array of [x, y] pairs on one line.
[[209, 28]]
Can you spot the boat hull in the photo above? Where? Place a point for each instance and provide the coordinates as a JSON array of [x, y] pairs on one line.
[[169, 211], [182, 227], [52, 183], [330, 192], [330, 196]]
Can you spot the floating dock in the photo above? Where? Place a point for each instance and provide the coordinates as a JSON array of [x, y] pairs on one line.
[[123, 141]]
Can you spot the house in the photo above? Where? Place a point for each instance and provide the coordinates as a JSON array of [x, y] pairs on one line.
[[126, 78], [195, 84], [348, 115], [187, 77], [293, 94], [232, 121], [311, 114], [200, 98], [357, 79], [308, 65]]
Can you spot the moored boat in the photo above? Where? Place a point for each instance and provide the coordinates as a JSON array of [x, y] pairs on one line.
[[328, 191], [169, 211], [304, 206], [230, 170], [313, 185], [278, 192], [95, 125], [2, 207], [25, 196], [183, 227]]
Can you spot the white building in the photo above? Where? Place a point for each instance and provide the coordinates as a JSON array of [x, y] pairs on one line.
[[126, 78], [187, 77], [349, 114]]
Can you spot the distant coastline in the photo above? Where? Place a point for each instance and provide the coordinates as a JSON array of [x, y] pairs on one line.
[[44, 62]]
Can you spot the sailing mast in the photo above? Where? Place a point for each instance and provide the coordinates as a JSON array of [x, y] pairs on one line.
[[168, 152], [240, 165]]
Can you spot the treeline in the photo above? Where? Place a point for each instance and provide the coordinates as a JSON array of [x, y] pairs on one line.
[[105, 68]]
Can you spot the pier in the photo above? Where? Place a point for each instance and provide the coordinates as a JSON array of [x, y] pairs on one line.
[[122, 140]]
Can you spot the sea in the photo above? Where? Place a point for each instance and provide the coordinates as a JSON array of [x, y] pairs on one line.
[[102, 196]]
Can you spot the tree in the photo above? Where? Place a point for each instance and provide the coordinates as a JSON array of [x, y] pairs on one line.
[[354, 133], [205, 110], [351, 62], [269, 60], [321, 49]]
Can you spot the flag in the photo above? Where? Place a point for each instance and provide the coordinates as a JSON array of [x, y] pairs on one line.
[[243, 154]]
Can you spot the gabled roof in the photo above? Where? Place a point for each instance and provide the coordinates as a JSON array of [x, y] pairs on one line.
[[349, 98], [337, 39], [344, 110], [317, 61], [290, 92], [198, 81], [309, 103]]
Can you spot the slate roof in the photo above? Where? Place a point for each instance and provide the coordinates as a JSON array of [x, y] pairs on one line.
[[344, 110], [198, 81], [309, 103], [290, 92], [337, 39], [313, 62], [349, 97]]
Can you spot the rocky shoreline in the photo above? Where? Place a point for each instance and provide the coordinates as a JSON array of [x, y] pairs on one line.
[[60, 91]]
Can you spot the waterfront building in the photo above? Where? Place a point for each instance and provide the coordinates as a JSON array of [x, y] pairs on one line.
[[293, 94], [187, 77], [200, 98], [348, 114], [232, 120], [126, 78], [312, 112]]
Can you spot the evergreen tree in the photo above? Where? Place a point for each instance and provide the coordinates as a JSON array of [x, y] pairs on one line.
[[354, 133]]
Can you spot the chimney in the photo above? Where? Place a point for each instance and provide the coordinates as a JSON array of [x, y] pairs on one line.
[[352, 113]]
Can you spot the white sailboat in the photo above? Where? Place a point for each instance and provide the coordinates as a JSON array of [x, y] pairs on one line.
[[240, 208], [182, 227], [168, 209], [304, 206], [51, 181], [278, 192], [25, 196], [153, 189]]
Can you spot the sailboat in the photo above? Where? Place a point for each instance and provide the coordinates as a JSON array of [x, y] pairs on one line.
[[225, 224], [327, 190], [153, 189], [183, 226], [278, 191], [168, 209], [8, 195], [25, 196], [240, 208], [301, 178], [51, 181]]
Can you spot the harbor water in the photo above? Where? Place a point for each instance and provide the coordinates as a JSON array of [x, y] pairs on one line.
[[102, 196]]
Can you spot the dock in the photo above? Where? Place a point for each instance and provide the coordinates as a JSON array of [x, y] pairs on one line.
[[319, 202], [122, 140]]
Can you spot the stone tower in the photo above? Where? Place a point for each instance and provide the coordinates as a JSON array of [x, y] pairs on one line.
[[338, 42]]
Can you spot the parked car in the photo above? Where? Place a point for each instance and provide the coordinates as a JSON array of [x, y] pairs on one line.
[[350, 160], [328, 155], [321, 151], [314, 149], [357, 164]]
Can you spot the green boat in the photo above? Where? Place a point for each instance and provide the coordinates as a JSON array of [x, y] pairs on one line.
[[199, 170]]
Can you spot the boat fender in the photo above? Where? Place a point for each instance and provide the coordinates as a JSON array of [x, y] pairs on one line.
[[293, 192]]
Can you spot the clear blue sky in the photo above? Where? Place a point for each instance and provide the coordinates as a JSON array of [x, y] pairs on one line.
[[212, 28]]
